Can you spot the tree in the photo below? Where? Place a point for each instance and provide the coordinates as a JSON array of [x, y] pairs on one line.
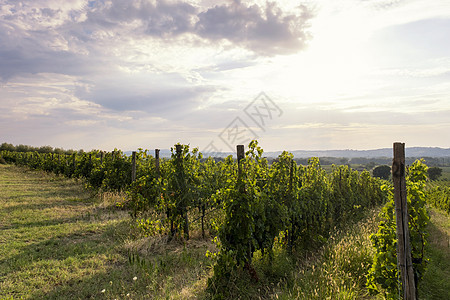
[[370, 165], [344, 161], [7, 147], [434, 173], [23, 148], [45, 149], [383, 172]]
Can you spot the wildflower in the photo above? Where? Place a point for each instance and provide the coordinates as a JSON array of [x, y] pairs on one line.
[[135, 278]]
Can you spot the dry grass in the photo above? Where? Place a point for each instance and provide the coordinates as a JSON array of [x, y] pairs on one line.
[[436, 283], [59, 241], [338, 270]]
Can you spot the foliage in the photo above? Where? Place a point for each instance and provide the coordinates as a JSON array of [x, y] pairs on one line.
[[383, 276], [382, 172], [180, 188], [145, 192], [249, 213], [439, 197], [26, 148], [434, 173], [294, 205], [58, 261]]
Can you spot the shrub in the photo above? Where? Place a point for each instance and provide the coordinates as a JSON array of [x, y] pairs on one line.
[[434, 173], [382, 172]]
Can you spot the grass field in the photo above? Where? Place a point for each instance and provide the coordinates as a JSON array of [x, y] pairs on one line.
[[58, 241], [445, 173], [436, 282]]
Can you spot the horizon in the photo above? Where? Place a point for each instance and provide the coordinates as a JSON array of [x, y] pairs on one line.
[[227, 152], [314, 75]]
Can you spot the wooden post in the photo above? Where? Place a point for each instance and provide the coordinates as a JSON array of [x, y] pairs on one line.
[[179, 151], [133, 166], [291, 176], [157, 162], [289, 203], [404, 261], [240, 156]]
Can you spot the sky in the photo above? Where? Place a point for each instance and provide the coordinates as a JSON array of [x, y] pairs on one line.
[[310, 75]]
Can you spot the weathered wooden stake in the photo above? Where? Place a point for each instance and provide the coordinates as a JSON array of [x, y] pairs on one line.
[[157, 162], [404, 261], [133, 166], [179, 150], [289, 202], [240, 155], [291, 176]]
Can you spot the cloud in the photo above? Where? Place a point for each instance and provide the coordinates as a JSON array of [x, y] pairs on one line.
[[265, 30], [79, 38], [39, 51], [383, 4], [165, 101], [166, 95], [161, 18]]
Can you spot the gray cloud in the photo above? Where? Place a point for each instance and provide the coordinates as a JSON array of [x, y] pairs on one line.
[[383, 4], [17, 61], [157, 102], [30, 52], [162, 95], [71, 40], [159, 19], [265, 30]]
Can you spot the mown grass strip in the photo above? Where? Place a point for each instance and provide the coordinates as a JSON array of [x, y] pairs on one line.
[[57, 241], [436, 282]]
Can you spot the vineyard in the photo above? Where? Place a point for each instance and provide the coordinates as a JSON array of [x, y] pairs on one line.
[[438, 195], [252, 210]]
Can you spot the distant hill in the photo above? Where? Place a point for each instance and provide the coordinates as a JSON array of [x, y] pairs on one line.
[[384, 152]]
